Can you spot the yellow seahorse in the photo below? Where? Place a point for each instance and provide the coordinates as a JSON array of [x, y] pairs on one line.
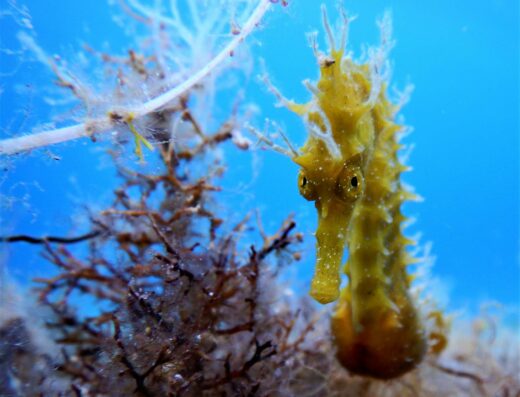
[[351, 170]]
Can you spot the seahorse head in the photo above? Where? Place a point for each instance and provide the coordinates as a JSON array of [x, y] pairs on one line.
[[334, 188]]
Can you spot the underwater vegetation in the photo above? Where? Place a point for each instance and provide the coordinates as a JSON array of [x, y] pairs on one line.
[[169, 297], [180, 311]]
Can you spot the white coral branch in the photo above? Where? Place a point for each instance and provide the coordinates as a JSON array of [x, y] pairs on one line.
[[104, 124]]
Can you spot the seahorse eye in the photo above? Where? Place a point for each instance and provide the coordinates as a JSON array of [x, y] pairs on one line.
[[349, 184], [306, 187]]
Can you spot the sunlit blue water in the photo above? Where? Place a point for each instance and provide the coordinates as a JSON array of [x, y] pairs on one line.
[[462, 58]]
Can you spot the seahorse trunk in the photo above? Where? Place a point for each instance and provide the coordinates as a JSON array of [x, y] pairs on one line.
[[376, 325]]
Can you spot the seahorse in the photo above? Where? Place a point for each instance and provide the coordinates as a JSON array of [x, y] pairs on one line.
[[351, 170]]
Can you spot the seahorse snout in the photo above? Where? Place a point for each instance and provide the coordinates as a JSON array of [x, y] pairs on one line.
[[333, 218]]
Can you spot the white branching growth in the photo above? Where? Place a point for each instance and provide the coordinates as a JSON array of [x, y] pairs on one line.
[[402, 97], [377, 60], [268, 139], [315, 130], [190, 41], [324, 135]]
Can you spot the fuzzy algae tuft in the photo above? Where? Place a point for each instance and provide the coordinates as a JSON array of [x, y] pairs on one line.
[[351, 170]]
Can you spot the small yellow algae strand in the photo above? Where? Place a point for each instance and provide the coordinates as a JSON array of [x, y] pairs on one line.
[[138, 138]]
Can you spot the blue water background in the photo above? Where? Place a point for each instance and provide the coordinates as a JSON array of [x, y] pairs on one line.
[[462, 58]]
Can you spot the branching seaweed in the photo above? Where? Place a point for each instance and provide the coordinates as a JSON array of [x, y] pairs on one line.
[[177, 310]]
